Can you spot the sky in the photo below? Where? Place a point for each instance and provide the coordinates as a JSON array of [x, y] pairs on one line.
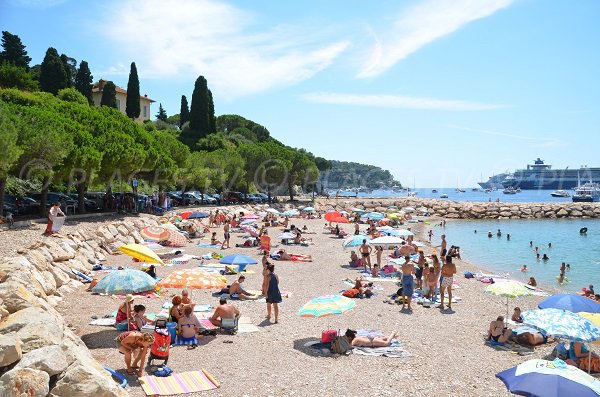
[[442, 93]]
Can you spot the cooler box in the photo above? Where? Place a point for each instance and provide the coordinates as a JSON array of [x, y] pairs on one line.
[[328, 336], [172, 327]]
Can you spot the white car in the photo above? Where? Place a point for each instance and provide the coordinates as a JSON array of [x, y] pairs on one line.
[[195, 198]]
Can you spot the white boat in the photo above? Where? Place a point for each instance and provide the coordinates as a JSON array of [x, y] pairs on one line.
[[588, 192], [444, 196], [509, 190], [458, 190], [560, 193]]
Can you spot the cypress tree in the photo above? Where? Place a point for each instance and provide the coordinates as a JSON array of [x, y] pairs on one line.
[[212, 123], [53, 76], [13, 50], [199, 121], [70, 65], [161, 115], [184, 112], [132, 106], [109, 95], [83, 81]]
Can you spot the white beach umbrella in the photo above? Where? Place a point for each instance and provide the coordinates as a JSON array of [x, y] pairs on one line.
[[387, 241]]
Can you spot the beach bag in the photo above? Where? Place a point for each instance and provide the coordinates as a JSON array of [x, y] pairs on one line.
[[163, 372], [328, 335], [351, 293], [469, 275], [340, 345], [560, 351]]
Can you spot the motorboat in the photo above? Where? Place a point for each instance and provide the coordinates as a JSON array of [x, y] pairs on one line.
[[444, 196], [509, 190], [458, 190], [588, 192], [434, 190], [560, 193]]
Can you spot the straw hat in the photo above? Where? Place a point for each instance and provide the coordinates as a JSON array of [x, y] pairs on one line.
[[129, 298]]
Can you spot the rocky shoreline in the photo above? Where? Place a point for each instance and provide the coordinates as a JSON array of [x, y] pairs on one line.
[[468, 210]]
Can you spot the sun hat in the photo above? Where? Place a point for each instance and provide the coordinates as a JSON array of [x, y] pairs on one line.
[[129, 298]]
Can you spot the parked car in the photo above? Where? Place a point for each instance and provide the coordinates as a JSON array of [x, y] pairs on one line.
[[176, 199], [90, 205], [66, 202], [254, 198], [23, 205], [8, 207], [197, 198], [234, 198]]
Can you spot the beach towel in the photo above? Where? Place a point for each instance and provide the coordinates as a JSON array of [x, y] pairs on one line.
[[394, 350], [369, 333], [205, 245], [186, 382], [206, 324], [510, 347], [180, 260], [104, 322]]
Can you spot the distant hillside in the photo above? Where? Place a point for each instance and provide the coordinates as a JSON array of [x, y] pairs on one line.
[[345, 174]]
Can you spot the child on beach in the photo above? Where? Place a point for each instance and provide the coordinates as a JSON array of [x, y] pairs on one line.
[[432, 279]]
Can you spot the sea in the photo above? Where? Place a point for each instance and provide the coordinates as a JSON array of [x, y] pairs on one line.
[[525, 196], [506, 257]]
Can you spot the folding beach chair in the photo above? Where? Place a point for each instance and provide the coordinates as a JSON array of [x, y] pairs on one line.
[[229, 325]]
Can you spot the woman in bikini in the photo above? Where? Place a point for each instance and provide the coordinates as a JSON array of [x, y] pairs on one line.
[[136, 343], [176, 310], [498, 332], [369, 341]]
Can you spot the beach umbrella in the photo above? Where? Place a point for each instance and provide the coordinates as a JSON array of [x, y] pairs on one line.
[[593, 317], [387, 241], [403, 233], [198, 215], [340, 219], [154, 233], [273, 211], [408, 209], [393, 215], [509, 289], [358, 210], [238, 259], [330, 216], [375, 216], [169, 226], [186, 214], [250, 216], [141, 253], [247, 222], [126, 281], [176, 239], [326, 306], [562, 324], [355, 241], [286, 236], [308, 209], [385, 229], [571, 302], [251, 230], [541, 378], [291, 213], [193, 279], [392, 207]]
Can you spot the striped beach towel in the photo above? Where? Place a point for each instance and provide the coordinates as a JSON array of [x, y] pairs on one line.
[[186, 382]]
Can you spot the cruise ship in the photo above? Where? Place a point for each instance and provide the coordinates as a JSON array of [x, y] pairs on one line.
[[541, 176], [494, 182]]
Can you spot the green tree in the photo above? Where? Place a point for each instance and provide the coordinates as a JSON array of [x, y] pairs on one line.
[[70, 65], [12, 76], [174, 120], [199, 119], [212, 126], [161, 115], [72, 95], [83, 81], [109, 95], [132, 106], [184, 113], [10, 151], [53, 75], [13, 51], [254, 155]]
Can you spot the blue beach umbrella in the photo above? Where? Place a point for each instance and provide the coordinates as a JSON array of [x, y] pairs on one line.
[[571, 302], [291, 213], [308, 209], [355, 241], [377, 216], [198, 215], [562, 324], [126, 281], [358, 210], [237, 259], [541, 378]]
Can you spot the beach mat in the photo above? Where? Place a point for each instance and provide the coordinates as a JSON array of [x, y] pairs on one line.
[[104, 322], [212, 246], [511, 347], [394, 350], [185, 382]]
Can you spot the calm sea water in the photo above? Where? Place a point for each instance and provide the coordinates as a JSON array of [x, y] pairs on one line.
[[526, 196], [503, 256]]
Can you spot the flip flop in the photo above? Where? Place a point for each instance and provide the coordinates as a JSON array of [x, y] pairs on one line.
[[130, 372]]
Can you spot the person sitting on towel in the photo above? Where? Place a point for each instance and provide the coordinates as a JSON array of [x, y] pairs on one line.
[[498, 332], [187, 327], [369, 341], [139, 316], [516, 317], [224, 310], [236, 288]]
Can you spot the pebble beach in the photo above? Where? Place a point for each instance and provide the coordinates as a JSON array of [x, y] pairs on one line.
[[447, 351]]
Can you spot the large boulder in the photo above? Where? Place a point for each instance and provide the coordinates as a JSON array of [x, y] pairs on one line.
[[35, 327], [50, 359], [16, 296], [58, 252], [86, 379], [10, 349], [25, 382]]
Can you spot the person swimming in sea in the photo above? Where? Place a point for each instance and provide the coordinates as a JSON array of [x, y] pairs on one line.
[[545, 257], [490, 234], [499, 233], [524, 268]]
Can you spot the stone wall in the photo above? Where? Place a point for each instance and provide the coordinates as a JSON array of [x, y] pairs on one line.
[[39, 354], [464, 210]]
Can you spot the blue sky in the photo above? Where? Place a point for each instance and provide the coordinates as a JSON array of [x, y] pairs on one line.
[[440, 92]]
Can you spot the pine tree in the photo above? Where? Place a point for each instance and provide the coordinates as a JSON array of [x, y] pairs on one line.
[[132, 106], [13, 50], [53, 76], [83, 81], [70, 65], [212, 123], [109, 95], [184, 113], [199, 120], [161, 115]]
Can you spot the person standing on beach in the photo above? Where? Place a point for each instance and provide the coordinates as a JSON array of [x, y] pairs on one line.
[[421, 262], [443, 250], [378, 253], [356, 229], [273, 293], [366, 250], [53, 213], [448, 272], [430, 235], [408, 283], [226, 236]]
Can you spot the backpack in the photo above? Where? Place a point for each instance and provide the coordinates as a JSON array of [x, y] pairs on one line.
[[340, 345]]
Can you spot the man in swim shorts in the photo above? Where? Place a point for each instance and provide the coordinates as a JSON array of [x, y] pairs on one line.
[[408, 283], [365, 251], [448, 272]]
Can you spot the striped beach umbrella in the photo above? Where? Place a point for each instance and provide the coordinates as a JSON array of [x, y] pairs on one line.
[[251, 230], [326, 306], [154, 233]]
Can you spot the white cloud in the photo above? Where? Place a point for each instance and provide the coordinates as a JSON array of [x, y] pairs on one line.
[[117, 70], [420, 26], [217, 40], [396, 101]]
